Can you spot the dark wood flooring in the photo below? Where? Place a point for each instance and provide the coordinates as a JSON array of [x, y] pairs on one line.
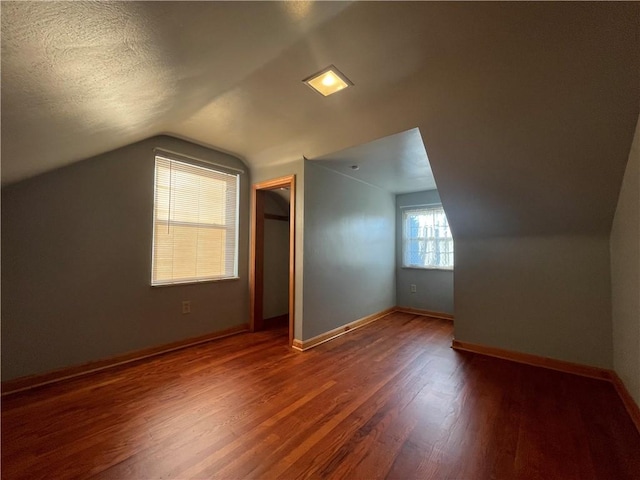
[[390, 400]]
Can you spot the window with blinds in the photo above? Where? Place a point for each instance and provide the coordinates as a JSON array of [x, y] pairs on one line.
[[195, 223], [427, 240]]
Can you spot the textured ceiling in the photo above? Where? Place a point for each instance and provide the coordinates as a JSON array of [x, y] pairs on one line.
[[81, 78], [527, 109]]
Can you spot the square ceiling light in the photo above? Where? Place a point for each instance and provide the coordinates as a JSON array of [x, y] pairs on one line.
[[328, 81]]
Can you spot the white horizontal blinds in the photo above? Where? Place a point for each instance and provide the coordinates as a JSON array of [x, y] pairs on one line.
[[427, 240], [195, 223]]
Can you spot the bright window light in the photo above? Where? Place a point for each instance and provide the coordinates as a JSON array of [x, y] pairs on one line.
[[426, 239], [195, 223]]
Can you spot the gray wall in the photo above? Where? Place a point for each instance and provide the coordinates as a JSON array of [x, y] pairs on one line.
[[349, 250], [434, 288], [76, 263], [547, 296], [625, 275], [276, 258]]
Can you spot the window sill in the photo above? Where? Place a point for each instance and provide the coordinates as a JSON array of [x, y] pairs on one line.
[[197, 282], [440, 269]]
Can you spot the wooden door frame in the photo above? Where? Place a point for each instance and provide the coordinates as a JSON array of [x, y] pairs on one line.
[[256, 261]]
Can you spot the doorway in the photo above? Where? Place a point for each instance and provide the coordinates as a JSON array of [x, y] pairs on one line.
[[259, 199]]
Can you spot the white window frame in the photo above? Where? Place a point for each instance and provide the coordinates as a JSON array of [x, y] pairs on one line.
[[231, 225], [425, 236]]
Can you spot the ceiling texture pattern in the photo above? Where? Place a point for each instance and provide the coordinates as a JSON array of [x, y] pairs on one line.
[[527, 110]]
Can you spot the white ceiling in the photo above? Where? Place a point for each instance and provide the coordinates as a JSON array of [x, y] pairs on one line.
[[396, 163], [527, 109]]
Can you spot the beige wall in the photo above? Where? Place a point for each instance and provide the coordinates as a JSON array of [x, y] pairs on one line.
[[625, 275], [76, 265]]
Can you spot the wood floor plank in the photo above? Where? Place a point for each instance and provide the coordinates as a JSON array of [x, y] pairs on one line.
[[389, 400], [351, 437]]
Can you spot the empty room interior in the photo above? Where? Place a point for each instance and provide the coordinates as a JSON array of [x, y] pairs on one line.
[[281, 240]]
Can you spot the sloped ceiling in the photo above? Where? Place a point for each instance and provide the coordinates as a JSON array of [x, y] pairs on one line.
[[527, 110]]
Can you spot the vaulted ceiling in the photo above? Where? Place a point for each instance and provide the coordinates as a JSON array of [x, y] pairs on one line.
[[527, 110]]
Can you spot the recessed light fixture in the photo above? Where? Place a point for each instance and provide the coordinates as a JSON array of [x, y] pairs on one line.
[[327, 81], [355, 167]]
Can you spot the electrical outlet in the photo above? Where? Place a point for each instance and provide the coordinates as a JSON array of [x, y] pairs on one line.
[[413, 288], [186, 306]]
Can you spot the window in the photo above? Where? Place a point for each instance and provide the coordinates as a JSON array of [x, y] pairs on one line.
[[195, 223], [427, 240]]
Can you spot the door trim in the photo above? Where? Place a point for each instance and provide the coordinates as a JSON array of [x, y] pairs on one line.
[[256, 261]]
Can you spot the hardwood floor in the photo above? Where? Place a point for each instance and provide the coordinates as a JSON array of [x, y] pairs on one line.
[[390, 400]]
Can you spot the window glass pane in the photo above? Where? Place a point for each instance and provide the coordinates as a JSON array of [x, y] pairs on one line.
[[427, 240]]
